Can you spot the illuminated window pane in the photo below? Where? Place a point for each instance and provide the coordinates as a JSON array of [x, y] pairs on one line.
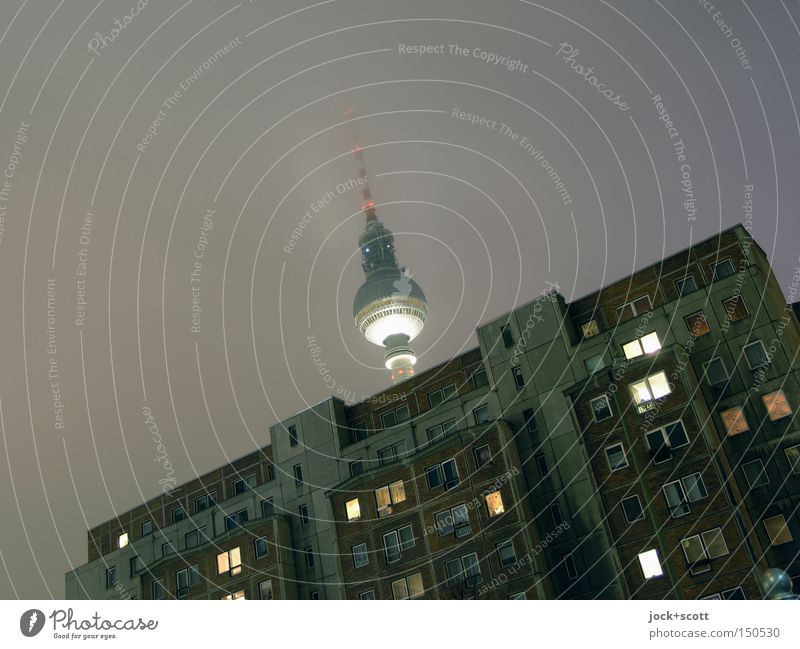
[[632, 349], [777, 405], [651, 566], [384, 501], [400, 589], [239, 594], [415, 587], [698, 324], [734, 420], [236, 561], [641, 393], [651, 343], [659, 385], [777, 530], [590, 328], [494, 502], [398, 492], [223, 565], [122, 540], [353, 509]]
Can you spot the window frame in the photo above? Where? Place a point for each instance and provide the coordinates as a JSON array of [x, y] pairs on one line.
[[505, 545], [568, 560], [641, 515], [297, 471], [594, 411], [611, 468], [493, 512], [519, 379], [762, 473], [740, 305], [232, 569], [680, 285], [764, 363], [484, 407], [248, 482], [648, 404], [772, 538], [769, 399], [708, 363], [356, 552], [477, 451], [704, 317], [484, 381], [260, 543], [727, 260], [682, 507]]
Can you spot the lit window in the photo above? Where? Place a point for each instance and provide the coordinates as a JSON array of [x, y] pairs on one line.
[[686, 285], [239, 594], [483, 456], [777, 405], [735, 308], [353, 509], [494, 504], [481, 414], [723, 269], [756, 355], [389, 495], [594, 364], [645, 345], [755, 473], [734, 421], [632, 508], [360, 555], [601, 408], [777, 529], [122, 540], [793, 455], [229, 562], [651, 566], [698, 323], [409, 587], [615, 455], [265, 589], [590, 328], [715, 371], [649, 390]]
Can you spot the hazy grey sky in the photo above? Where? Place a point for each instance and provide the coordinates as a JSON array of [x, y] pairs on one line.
[[211, 128]]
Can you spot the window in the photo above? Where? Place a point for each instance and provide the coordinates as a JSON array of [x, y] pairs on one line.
[[239, 594], [777, 530], [722, 269], [734, 421], [755, 474], [293, 440], [435, 433], [229, 562], [481, 414], [267, 507], [632, 508], [309, 552], [367, 594], [555, 514], [508, 337], [480, 378], [353, 509], [443, 394], [445, 474], [594, 364], [270, 471], [147, 528], [409, 587], [756, 355], [391, 547], [167, 549], [649, 390], [184, 578], [396, 416], [246, 483], [392, 453], [793, 456], [314, 594], [298, 474], [358, 432], [204, 502], [635, 307], [517, 596], [389, 495], [178, 514], [519, 380], [735, 308], [157, 589], [694, 487], [590, 328], [686, 285], [731, 593], [406, 534], [650, 565], [601, 408], [237, 518], [465, 570], [662, 441], [648, 344], [494, 504], [260, 547], [356, 468], [482, 456], [303, 511], [698, 323], [506, 553], [194, 538], [615, 454], [360, 555], [111, 576], [569, 566], [454, 521], [265, 589], [529, 420], [136, 566], [777, 405], [676, 499], [715, 372], [699, 549], [541, 463]]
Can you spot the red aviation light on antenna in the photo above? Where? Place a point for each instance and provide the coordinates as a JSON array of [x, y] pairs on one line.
[[367, 205], [357, 148]]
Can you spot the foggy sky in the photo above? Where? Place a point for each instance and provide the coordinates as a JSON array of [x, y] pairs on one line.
[[257, 134]]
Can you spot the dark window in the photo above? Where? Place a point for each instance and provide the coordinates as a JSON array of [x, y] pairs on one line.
[[195, 537], [293, 440], [660, 449], [178, 514], [615, 455], [482, 456], [756, 355], [716, 374], [686, 285], [358, 432], [676, 434], [676, 499], [541, 462], [632, 508], [450, 471], [519, 380], [508, 337], [270, 471], [111, 576], [755, 473], [634, 308], [529, 420], [238, 518], [434, 474], [314, 594], [204, 502], [723, 269], [569, 566], [391, 454], [356, 468], [733, 593], [136, 566], [267, 507], [360, 555], [298, 474], [481, 414], [240, 486], [309, 552], [147, 528], [367, 594], [304, 519], [158, 590], [506, 553], [261, 548], [601, 408], [555, 514], [480, 378]]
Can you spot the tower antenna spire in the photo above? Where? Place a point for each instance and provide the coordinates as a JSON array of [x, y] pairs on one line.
[[367, 204]]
